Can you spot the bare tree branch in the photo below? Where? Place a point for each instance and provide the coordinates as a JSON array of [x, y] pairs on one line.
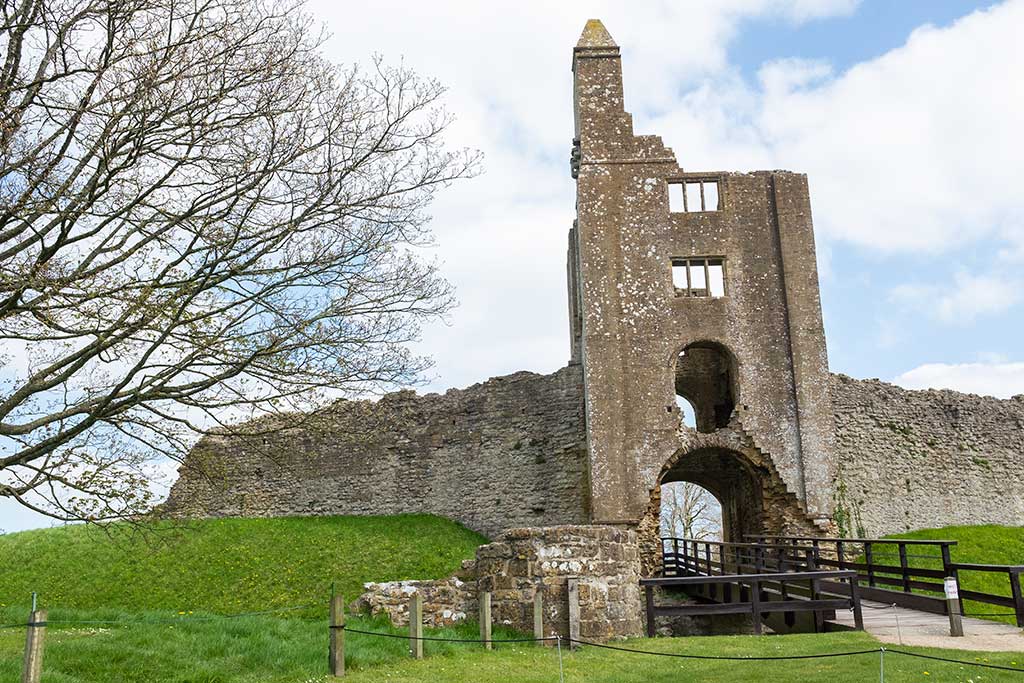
[[201, 220]]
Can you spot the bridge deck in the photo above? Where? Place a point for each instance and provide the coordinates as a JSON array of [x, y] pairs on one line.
[[912, 627]]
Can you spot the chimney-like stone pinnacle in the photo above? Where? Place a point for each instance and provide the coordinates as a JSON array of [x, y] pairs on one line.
[[595, 35]]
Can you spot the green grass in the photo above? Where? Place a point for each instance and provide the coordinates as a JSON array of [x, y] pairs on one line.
[[225, 566], [269, 650], [983, 544]]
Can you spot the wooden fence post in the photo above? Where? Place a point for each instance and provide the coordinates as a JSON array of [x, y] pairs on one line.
[[574, 612], [485, 619], [538, 616], [336, 651], [1018, 598], [35, 633], [956, 623], [416, 625], [755, 605]]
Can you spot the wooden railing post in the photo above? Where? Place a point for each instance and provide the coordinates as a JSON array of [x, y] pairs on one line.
[[538, 616], [869, 559], [416, 625], [815, 587], [336, 648], [949, 569], [485, 619], [904, 567], [32, 668], [755, 605], [649, 604], [956, 623], [858, 615], [1018, 598], [675, 555], [573, 585], [840, 555]]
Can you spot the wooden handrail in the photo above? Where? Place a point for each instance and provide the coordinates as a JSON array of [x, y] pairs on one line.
[[782, 577], [832, 539]]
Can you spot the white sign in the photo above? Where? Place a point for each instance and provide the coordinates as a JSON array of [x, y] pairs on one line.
[[951, 589]]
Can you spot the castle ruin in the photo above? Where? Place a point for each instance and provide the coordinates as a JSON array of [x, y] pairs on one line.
[[684, 286]]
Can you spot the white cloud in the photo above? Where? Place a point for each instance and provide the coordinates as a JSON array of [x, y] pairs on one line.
[[918, 149], [963, 298], [502, 237], [1002, 380]]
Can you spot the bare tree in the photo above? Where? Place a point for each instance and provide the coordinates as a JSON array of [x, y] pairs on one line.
[[201, 219], [690, 511]]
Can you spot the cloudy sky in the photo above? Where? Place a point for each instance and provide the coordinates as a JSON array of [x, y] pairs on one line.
[[906, 116]]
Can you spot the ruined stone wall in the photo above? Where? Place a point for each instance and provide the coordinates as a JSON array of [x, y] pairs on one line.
[[504, 453], [922, 459], [510, 452], [605, 561]]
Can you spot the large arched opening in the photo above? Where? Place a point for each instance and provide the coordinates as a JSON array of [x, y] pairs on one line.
[[734, 484], [705, 382]]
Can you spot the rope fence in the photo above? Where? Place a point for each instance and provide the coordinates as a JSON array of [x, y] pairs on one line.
[[38, 622], [683, 655]]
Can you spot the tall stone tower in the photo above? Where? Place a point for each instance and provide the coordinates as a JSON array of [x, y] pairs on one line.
[[693, 289]]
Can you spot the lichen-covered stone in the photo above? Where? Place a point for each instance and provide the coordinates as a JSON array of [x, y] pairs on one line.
[[522, 562]]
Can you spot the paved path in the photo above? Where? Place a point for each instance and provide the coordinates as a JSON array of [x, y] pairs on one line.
[[910, 627]]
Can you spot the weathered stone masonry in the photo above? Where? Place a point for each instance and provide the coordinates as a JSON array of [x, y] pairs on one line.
[[923, 459], [509, 452]]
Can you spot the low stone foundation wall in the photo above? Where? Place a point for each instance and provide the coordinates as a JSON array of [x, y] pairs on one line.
[[445, 601], [604, 560]]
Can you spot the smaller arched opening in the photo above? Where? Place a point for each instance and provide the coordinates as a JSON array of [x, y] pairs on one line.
[[705, 378]]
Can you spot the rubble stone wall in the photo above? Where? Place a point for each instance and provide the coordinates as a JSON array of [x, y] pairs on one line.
[[511, 452], [604, 560], [924, 459], [507, 452]]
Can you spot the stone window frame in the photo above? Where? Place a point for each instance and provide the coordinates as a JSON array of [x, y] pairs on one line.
[[688, 262], [700, 180]]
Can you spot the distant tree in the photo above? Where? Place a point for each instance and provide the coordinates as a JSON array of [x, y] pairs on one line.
[[201, 219], [690, 511]]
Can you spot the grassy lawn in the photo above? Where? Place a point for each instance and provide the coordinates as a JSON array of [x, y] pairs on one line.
[[225, 565], [983, 544], [271, 650]]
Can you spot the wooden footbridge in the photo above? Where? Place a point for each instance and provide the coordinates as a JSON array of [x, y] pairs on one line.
[[820, 583]]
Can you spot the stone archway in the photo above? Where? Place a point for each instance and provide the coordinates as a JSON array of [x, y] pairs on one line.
[[727, 463]]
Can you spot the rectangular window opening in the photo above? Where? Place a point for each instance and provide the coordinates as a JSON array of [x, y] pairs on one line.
[[675, 198], [710, 196], [693, 195], [702, 276]]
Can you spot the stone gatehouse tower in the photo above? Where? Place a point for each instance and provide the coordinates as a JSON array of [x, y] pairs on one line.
[[699, 285]]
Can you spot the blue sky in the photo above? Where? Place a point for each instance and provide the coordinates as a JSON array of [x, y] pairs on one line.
[[905, 116]]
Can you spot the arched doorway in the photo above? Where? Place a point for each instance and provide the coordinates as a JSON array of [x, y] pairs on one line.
[[705, 380], [732, 481]]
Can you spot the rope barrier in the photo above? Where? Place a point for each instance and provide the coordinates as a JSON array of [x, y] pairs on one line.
[[559, 639], [445, 640], [957, 661], [679, 655]]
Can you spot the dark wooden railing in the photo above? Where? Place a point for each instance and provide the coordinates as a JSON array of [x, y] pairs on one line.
[[752, 599], [896, 583], [687, 556]]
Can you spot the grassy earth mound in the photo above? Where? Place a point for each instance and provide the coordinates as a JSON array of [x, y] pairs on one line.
[[979, 544], [225, 566]]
